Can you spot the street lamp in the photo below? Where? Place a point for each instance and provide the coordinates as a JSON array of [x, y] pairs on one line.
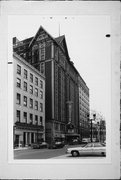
[[91, 125]]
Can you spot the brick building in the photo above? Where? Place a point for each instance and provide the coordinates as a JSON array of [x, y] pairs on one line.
[[84, 123], [50, 56]]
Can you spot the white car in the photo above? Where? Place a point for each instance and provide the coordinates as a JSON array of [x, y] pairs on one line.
[[89, 149]]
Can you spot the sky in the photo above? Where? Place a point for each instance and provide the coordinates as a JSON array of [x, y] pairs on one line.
[[88, 47]]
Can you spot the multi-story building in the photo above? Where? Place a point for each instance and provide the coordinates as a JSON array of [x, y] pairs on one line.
[[50, 56], [29, 103], [84, 124]]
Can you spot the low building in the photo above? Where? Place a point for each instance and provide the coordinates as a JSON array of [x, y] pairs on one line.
[[29, 103]]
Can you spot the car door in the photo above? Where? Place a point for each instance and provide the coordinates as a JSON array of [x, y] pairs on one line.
[[88, 149]]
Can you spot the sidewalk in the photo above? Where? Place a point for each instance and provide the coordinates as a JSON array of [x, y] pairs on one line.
[[21, 148]]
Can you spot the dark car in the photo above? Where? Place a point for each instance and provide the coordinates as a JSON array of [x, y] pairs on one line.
[[44, 145], [56, 145], [35, 145], [39, 145]]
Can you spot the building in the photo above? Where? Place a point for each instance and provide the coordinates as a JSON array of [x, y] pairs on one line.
[[84, 109], [50, 56], [98, 126], [29, 103]]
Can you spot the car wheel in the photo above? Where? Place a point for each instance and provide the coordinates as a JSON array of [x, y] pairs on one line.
[[75, 153], [103, 153]]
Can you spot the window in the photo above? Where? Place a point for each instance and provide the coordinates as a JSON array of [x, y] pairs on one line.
[[25, 117], [36, 92], [18, 82], [31, 103], [31, 89], [25, 101], [25, 73], [31, 118], [41, 84], [18, 98], [88, 146], [41, 120], [36, 55], [42, 68], [42, 52], [25, 86], [31, 77], [18, 69], [36, 105], [56, 126], [41, 94], [18, 116], [36, 81], [36, 119], [41, 107]]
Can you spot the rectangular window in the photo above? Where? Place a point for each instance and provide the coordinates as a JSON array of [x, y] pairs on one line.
[[56, 126], [31, 77], [31, 103], [31, 118], [18, 69], [36, 105], [36, 81], [25, 101], [41, 84], [25, 73], [31, 89], [36, 119], [18, 82], [42, 52], [41, 107], [41, 94], [42, 68], [18, 98], [36, 92], [41, 120], [18, 116], [25, 86], [25, 117]]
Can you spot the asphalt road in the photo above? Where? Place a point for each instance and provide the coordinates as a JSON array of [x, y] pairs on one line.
[[38, 153], [47, 154]]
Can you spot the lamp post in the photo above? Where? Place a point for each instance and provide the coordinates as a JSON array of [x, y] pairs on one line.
[[91, 125]]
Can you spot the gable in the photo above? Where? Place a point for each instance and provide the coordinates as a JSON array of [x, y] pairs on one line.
[[62, 43], [64, 46], [41, 34]]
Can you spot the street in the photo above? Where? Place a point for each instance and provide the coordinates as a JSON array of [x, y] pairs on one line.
[[48, 154]]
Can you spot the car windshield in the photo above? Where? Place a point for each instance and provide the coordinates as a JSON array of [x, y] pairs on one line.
[[88, 145], [97, 145]]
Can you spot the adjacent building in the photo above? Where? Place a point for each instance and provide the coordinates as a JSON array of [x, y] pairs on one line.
[[50, 57], [84, 109], [29, 103]]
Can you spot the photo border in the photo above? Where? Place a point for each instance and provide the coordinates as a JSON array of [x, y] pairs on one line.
[[62, 170]]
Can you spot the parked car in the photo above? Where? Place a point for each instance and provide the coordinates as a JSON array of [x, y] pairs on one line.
[[89, 149], [44, 145], [74, 142], [39, 145], [85, 140], [55, 145], [35, 145]]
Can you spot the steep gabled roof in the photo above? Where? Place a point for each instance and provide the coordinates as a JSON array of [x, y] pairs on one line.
[[62, 42], [58, 40], [37, 34]]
